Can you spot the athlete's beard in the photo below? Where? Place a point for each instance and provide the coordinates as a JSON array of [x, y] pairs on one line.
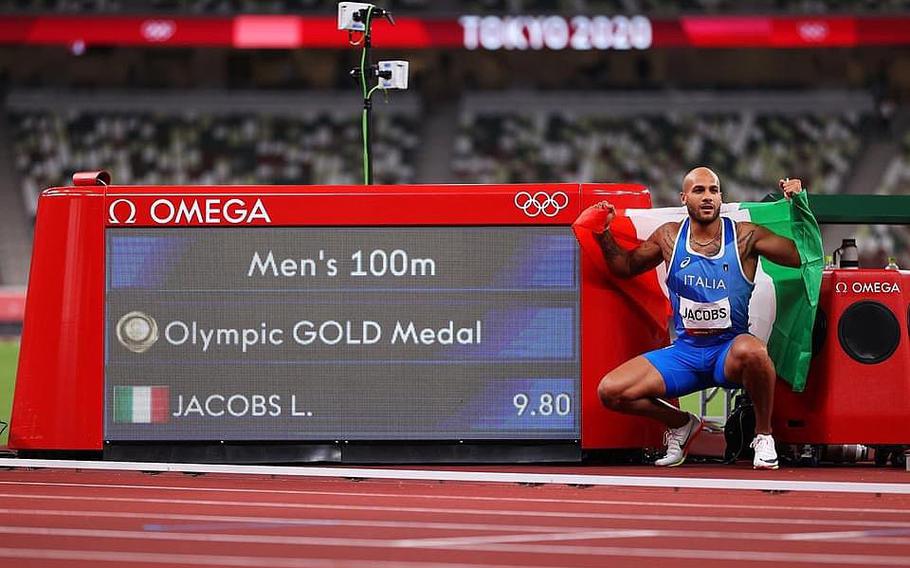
[[698, 216]]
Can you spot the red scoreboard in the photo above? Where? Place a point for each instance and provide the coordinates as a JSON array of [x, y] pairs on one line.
[[331, 323]]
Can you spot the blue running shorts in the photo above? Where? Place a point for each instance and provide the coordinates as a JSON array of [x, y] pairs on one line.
[[687, 368]]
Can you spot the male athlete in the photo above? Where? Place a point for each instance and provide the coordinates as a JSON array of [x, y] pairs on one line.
[[711, 262]]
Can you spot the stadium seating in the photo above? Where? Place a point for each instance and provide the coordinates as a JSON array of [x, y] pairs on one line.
[[195, 6], [648, 7], [189, 148], [749, 150], [893, 239], [897, 177]]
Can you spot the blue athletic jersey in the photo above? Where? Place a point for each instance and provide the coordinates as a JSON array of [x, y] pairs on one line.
[[708, 294]]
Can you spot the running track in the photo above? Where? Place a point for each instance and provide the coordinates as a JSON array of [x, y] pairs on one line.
[[88, 518]]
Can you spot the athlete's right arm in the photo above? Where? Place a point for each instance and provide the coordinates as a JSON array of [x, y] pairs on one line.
[[628, 263]]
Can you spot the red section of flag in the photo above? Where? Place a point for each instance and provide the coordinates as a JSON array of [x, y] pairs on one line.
[[160, 404], [643, 291]]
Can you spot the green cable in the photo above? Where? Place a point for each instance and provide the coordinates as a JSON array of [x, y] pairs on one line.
[[373, 90], [366, 161], [366, 96], [363, 53]]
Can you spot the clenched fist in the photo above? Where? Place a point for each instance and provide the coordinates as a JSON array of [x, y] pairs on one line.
[[610, 211], [790, 187]]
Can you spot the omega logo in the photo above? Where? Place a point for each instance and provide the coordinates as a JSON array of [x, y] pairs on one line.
[[868, 288], [115, 214]]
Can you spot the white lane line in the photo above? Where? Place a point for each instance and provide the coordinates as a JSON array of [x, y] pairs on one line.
[[197, 537], [219, 522], [454, 511], [233, 561], [892, 535], [460, 541], [521, 549], [477, 476], [665, 554], [278, 521], [854, 537], [834, 535], [592, 502], [443, 543], [555, 534]]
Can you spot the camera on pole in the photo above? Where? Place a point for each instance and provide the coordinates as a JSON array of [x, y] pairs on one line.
[[357, 18]]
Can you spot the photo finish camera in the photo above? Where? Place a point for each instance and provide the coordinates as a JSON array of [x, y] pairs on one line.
[[352, 16], [393, 74]]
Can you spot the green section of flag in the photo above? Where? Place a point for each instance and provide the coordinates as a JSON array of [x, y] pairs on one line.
[[123, 404], [796, 289]]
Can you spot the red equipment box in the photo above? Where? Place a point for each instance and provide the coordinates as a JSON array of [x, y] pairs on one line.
[[858, 389]]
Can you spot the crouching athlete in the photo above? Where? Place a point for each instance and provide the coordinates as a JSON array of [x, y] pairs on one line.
[[711, 262]]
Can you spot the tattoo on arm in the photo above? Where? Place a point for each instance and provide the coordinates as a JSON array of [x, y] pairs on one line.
[[626, 263], [746, 242], [668, 239], [609, 246], [618, 258]]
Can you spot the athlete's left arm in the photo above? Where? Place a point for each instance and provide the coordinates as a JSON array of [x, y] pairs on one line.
[[768, 244], [761, 241]]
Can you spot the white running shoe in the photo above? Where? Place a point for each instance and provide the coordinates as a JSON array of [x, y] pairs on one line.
[[678, 440], [765, 453]]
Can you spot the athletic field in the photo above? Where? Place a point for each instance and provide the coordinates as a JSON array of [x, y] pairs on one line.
[[9, 354]]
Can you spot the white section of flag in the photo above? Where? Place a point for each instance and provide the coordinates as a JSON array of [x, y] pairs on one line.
[[142, 405]]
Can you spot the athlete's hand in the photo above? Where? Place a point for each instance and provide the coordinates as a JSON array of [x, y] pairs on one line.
[[790, 187], [610, 211]]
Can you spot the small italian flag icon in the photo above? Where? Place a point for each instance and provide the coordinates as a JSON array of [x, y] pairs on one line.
[[141, 405]]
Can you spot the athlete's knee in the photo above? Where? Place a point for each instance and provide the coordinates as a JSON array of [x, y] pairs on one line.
[[750, 355], [613, 393]]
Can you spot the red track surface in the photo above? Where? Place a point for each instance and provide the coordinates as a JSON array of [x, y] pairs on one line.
[[89, 518]]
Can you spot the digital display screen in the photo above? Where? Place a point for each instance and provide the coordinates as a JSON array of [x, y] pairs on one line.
[[342, 333]]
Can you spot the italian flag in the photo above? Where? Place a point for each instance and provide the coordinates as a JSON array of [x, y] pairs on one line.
[[783, 304], [141, 405]]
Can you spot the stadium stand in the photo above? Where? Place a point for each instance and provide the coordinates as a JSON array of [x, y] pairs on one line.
[[224, 137], [231, 144], [656, 144], [649, 7], [195, 6], [897, 176]]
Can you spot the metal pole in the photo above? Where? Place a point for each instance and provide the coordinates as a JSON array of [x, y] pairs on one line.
[[368, 107]]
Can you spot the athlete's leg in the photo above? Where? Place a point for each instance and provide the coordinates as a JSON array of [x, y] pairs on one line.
[[634, 388], [747, 363]]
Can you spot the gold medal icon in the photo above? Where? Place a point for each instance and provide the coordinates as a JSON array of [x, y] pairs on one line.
[[137, 331]]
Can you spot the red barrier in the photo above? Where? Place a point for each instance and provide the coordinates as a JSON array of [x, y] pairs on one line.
[[60, 391]]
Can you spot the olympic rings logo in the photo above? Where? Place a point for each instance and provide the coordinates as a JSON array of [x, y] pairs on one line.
[[541, 203], [158, 30], [813, 31]]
